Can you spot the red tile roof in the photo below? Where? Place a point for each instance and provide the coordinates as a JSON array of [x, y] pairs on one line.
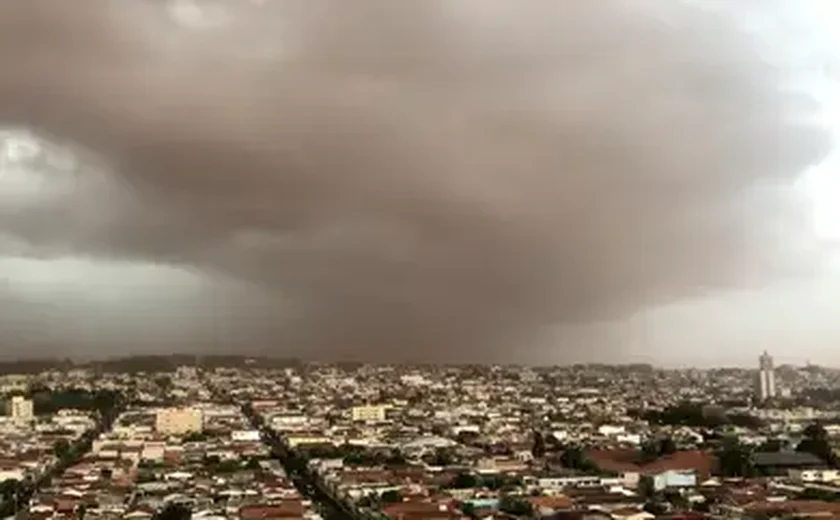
[[555, 503], [417, 509], [287, 509], [625, 461]]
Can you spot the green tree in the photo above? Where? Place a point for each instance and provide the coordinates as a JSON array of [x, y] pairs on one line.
[[538, 449], [195, 437], [573, 457], [771, 446], [164, 383], [667, 446], [646, 488], [656, 508], [676, 499], [61, 449], [395, 458], [816, 443], [228, 466], [144, 476], [735, 459], [515, 506], [174, 512], [655, 448], [391, 496], [464, 480], [467, 437], [8, 489]]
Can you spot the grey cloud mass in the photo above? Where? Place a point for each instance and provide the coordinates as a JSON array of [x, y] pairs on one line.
[[414, 180]]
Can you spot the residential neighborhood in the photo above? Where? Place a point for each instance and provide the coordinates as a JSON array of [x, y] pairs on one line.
[[312, 441]]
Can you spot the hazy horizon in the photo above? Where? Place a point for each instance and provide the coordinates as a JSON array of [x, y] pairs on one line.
[[648, 181]]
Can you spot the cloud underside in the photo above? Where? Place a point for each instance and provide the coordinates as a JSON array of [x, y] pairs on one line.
[[414, 180]]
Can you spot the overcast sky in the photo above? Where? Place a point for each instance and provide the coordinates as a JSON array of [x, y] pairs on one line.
[[465, 180]]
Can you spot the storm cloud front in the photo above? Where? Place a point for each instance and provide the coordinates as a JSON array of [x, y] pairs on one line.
[[428, 180]]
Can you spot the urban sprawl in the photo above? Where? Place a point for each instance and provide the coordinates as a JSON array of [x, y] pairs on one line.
[[216, 438]]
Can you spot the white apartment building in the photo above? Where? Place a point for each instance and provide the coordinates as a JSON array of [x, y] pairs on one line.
[[22, 409], [766, 386]]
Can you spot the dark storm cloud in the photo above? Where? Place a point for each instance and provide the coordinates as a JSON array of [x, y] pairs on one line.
[[423, 179]]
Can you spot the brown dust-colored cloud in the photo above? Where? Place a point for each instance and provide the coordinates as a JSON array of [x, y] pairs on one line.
[[423, 180]]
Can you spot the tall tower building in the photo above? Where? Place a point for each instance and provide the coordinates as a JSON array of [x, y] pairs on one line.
[[766, 387]]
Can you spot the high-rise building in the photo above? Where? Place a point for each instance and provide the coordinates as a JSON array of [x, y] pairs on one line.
[[22, 409], [766, 385]]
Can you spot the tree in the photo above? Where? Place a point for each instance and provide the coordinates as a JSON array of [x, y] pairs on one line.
[[365, 501], [649, 452], [538, 450], [8, 489], [815, 431], [819, 494], [195, 437], [174, 511], [701, 507], [574, 458], [771, 446], [144, 476], [228, 466], [667, 446], [676, 499], [61, 449], [816, 443], [735, 459], [500, 482], [646, 488], [467, 437], [391, 496], [515, 506], [464, 481], [656, 448], [395, 458], [441, 458], [656, 508]]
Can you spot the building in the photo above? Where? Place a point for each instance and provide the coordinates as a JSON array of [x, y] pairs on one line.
[[179, 421], [766, 387], [22, 409], [674, 479], [369, 413]]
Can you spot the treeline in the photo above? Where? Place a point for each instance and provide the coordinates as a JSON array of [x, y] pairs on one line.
[[49, 401], [354, 455], [823, 395], [32, 366], [696, 415]]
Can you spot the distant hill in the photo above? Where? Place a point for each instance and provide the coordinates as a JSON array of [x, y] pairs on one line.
[[134, 364]]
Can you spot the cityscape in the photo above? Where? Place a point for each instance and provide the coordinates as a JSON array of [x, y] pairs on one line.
[[419, 259], [259, 438]]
